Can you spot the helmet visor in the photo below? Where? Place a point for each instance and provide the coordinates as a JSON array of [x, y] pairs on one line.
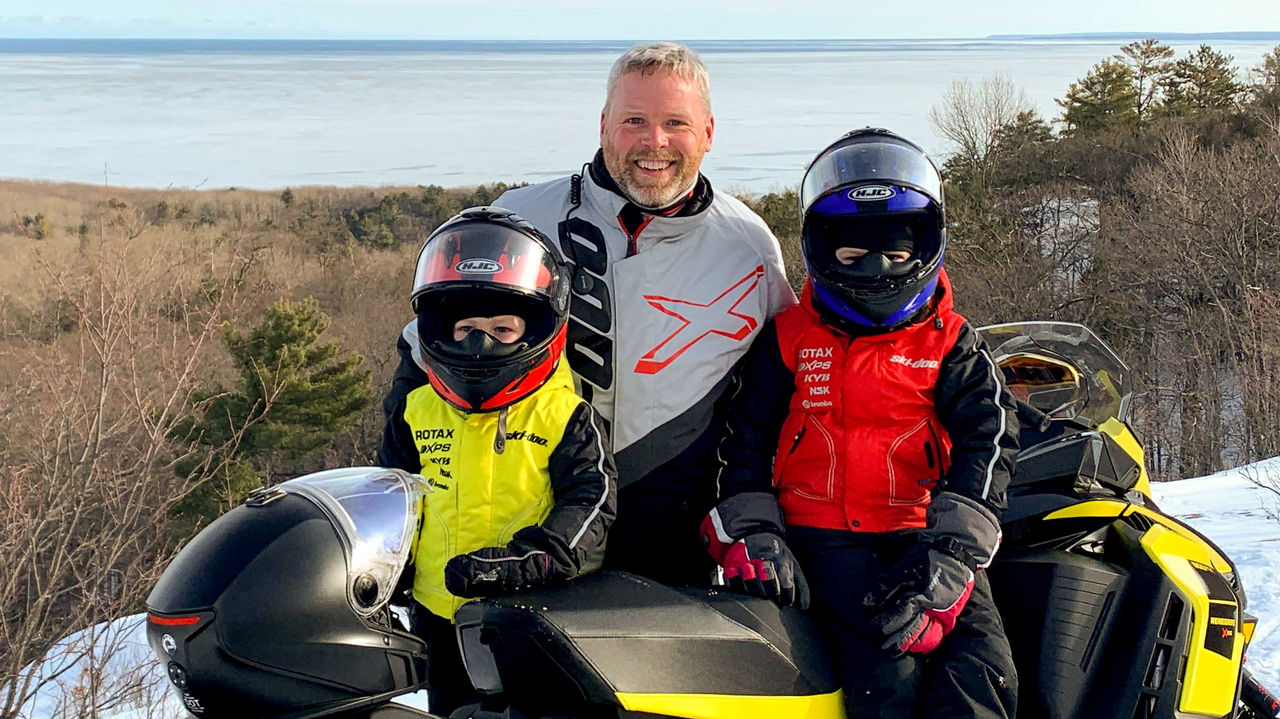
[[486, 254], [863, 161]]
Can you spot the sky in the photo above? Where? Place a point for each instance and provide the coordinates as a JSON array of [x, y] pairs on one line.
[[611, 19]]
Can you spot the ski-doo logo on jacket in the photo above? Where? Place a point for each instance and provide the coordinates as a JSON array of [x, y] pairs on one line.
[[521, 435], [915, 364]]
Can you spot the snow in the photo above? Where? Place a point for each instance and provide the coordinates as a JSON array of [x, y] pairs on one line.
[[1239, 510]]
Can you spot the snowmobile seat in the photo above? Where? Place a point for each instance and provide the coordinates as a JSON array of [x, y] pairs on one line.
[[613, 632]]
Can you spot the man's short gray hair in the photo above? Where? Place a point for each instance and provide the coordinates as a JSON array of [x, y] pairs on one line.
[[679, 60]]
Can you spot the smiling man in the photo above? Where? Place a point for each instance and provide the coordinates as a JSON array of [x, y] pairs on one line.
[[654, 130], [671, 283]]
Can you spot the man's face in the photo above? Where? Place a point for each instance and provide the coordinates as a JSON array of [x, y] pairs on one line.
[[654, 131]]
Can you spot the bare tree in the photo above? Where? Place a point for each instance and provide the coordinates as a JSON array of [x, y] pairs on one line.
[[87, 448], [972, 115], [1195, 255]]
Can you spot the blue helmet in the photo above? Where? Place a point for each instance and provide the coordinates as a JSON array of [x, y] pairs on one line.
[[873, 190]]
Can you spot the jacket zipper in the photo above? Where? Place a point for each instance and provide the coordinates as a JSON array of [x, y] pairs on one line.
[[936, 443], [831, 460], [796, 442]]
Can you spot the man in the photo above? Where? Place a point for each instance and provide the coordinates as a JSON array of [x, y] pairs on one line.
[[671, 283]]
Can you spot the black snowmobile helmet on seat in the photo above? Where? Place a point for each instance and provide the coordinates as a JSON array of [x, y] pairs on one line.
[[484, 262], [280, 606], [875, 190]]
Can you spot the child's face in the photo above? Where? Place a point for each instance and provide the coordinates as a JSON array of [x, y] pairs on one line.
[[504, 328], [850, 255]]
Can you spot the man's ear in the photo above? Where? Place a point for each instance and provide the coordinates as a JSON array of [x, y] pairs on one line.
[[711, 131], [603, 112]]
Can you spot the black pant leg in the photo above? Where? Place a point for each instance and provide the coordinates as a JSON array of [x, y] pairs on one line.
[[448, 686], [841, 567], [971, 674], [656, 535]]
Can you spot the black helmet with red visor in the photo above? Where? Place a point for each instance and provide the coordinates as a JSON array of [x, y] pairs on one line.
[[488, 262]]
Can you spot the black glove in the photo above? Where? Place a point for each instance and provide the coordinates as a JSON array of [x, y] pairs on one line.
[[497, 570], [761, 565], [916, 602], [758, 563]]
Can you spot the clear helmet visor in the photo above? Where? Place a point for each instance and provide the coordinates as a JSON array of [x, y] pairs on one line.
[[482, 253], [868, 167], [375, 511]]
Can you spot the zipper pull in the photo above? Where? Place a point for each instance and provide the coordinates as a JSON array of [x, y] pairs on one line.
[[796, 442], [500, 439]]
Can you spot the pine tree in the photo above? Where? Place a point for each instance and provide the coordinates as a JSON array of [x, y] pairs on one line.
[[296, 392], [1103, 99], [1149, 62], [1204, 80], [298, 386], [1020, 148]]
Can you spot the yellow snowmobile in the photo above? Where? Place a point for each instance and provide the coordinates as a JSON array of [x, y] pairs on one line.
[[1113, 609], [284, 607]]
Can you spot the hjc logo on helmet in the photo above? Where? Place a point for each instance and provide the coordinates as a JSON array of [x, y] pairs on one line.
[[871, 193], [478, 264]]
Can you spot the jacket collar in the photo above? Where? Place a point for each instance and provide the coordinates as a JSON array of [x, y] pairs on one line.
[[698, 199], [941, 306]]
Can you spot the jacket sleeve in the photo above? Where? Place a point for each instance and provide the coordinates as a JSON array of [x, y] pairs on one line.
[[980, 416], [781, 296], [585, 484], [758, 403], [398, 448]]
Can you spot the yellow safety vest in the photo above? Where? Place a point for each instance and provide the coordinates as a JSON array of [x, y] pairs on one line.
[[481, 498]]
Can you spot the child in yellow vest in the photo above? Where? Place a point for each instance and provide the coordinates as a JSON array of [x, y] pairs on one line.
[[523, 483]]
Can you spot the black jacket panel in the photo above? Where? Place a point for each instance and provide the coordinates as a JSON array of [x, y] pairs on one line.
[[981, 417]]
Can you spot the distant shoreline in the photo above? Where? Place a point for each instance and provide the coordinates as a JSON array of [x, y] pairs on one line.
[[109, 45], [1261, 35]]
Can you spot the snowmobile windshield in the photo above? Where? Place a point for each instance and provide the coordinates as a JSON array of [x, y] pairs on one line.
[[1062, 369], [375, 511], [871, 167]]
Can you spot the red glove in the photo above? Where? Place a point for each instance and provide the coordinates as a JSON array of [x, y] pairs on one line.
[[759, 564]]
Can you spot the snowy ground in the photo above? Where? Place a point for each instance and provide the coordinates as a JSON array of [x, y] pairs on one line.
[[1229, 507]]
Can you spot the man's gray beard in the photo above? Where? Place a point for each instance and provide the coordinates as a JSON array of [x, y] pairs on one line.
[[647, 203]]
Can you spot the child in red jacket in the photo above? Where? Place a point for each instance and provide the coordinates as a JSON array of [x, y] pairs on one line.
[[871, 430]]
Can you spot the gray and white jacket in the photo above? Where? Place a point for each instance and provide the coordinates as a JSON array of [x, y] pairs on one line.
[[654, 336]]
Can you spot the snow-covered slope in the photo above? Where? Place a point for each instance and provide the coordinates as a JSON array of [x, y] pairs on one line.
[[1230, 508]]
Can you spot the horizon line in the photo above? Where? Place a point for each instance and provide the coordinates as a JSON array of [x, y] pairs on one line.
[[1222, 34]]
